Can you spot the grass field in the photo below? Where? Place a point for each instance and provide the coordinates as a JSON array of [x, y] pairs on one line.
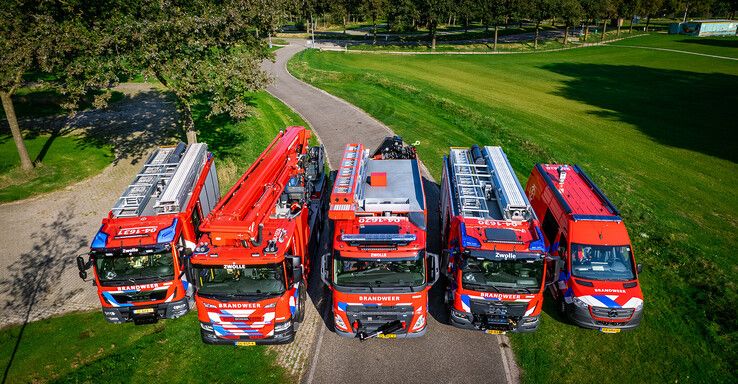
[[656, 130], [59, 163], [83, 348]]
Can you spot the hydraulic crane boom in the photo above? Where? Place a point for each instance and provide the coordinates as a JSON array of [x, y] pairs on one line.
[[252, 199]]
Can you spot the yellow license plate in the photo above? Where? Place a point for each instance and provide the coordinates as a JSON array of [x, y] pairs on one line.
[[143, 311], [610, 330], [387, 336], [494, 332], [245, 343]]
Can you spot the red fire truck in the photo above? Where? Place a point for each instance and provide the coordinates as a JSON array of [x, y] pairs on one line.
[[598, 285], [494, 250], [379, 271], [138, 254], [250, 263]]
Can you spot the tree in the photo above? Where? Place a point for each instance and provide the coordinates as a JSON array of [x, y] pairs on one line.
[[204, 49], [466, 10], [649, 8], [628, 8], [430, 12], [540, 10], [570, 12], [592, 9], [374, 9], [607, 10], [21, 38], [401, 15], [493, 12]]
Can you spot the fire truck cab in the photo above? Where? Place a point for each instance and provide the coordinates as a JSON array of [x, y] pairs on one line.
[[252, 259], [598, 284], [495, 255], [138, 254], [379, 271]]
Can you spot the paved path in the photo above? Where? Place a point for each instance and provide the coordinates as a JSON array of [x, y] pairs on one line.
[[445, 354], [42, 235]]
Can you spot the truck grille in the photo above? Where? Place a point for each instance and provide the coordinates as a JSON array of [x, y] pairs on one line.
[[496, 314], [612, 314], [124, 298], [372, 317]]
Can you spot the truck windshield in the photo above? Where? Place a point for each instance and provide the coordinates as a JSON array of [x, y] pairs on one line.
[[240, 280], [487, 275], [379, 273], [131, 268], [602, 262]]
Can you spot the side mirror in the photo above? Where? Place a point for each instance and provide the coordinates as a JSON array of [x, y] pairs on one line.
[[83, 275], [639, 267], [558, 264], [296, 263], [433, 268], [324, 270], [445, 256], [81, 265]]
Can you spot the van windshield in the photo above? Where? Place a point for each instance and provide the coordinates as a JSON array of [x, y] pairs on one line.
[[602, 262]]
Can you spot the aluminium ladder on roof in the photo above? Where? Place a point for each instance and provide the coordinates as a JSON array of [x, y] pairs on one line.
[[174, 197], [510, 196], [156, 172], [470, 188]]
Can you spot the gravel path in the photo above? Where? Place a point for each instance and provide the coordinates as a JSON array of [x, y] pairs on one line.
[[445, 354], [38, 272]]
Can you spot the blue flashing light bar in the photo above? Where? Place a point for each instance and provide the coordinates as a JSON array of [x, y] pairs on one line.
[[538, 244], [101, 238], [468, 241]]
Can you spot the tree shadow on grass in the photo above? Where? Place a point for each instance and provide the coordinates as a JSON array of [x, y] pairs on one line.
[[37, 275], [690, 110], [220, 131], [726, 42]]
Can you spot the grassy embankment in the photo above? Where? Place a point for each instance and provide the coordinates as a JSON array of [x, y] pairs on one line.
[[655, 131]]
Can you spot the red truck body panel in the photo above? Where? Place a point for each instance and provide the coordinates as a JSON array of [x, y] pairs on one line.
[[598, 287], [251, 240], [379, 215], [493, 243], [145, 297]]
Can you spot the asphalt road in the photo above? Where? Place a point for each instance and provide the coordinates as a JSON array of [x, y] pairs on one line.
[[445, 354]]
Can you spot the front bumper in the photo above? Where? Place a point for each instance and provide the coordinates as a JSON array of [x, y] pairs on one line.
[[209, 337], [582, 317], [171, 310], [467, 320], [402, 335]]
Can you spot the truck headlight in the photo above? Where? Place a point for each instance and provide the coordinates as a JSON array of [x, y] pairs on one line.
[[206, 327], [419, 323], [458, 314], [281, 327], [639, 307], [579, 303], [339, 322]]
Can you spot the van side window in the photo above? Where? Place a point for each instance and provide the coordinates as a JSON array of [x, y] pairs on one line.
[[196, 220], [550, 227]]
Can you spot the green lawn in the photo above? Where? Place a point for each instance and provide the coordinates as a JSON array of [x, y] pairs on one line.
[[59, 163], [720, 46], [83, 348], [656, 130]]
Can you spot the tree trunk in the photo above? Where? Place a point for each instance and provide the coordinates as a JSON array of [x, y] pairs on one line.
[[604, 29], [618, 35], [344, 25], [648, 21], [495, 44], [189, 124], [566, 35], [686, 9], [586, 32], [25, 160], [535, 42], [374, 28], [433, 36], [630, 30]]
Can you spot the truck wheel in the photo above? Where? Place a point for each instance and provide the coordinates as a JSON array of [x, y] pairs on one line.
[[301, 305]]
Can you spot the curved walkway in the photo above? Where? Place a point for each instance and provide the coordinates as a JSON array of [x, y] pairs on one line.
[[445, 354], [42, 235]]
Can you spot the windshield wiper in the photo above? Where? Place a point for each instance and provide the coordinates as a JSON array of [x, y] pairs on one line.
[[482, 286], [523, 288]]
